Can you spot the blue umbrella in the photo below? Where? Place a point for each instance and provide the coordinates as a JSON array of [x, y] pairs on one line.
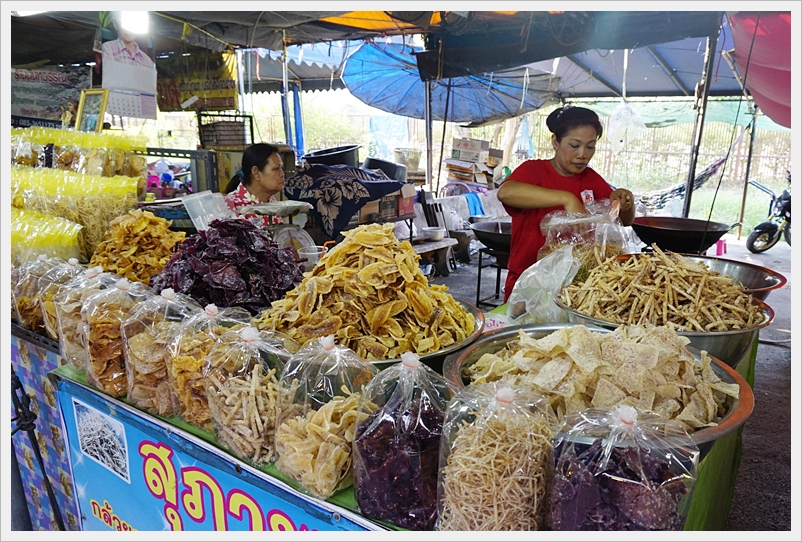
[[385, 76]]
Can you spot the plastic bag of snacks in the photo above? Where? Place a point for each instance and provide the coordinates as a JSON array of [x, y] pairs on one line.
[[68, 302], [145, 334], [34, 233], [242, 387], [319, 394], [620, 470], [397, 446], [495, 460], [26, 292], [102, 315], [186, 351], [14, 279], [49, 285], [595, 235]]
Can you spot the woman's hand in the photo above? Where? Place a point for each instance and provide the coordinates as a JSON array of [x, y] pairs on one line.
[[572, 204], [626, 205]]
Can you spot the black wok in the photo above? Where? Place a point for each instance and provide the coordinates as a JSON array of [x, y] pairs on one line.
[[684, 235], [496, 235]]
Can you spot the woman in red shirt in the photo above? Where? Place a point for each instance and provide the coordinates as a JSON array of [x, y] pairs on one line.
[[565, 182], [258, 181]]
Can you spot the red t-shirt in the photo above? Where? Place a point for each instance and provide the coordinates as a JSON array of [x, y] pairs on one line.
[[527, 239]]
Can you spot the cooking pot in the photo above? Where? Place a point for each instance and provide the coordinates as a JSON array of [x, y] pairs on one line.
[[395, 171], [684, 235], [496, 235], [347, 155]]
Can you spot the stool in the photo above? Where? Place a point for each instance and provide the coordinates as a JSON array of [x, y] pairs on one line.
[[501, 263], [721, 247]]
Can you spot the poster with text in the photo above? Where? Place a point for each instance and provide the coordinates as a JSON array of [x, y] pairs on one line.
[[40, 97], [210, 76]]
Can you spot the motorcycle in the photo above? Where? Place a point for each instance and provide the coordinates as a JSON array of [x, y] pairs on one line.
[[767, 234]]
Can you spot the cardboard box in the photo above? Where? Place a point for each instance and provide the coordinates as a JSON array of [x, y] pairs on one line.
[[388, 205], [469, 156], [405, 199], [370, 208]]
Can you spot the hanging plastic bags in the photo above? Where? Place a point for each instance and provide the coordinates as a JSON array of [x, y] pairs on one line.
[[318, 398], [625, 126], [621, 469], [242, 390], [146, 332], [495, 460], [397, 446]]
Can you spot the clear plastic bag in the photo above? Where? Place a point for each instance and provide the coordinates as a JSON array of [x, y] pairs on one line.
[[532, 297], [625, 126], [146, 333], [397, 446], [49, 285], [26, 292], [495, 460], [319, 394], [242, 389], [186, 351], [102, 315], [68, 302], [621, 469]]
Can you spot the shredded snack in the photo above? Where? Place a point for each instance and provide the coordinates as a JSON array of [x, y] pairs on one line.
[[185, 361], [243, 408], [315, 450], [644, 367], [497, 474], [137, 246], [370, 293], [663, 289]]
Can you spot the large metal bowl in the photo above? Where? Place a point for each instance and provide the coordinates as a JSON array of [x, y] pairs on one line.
[[435, 359], [679, 234], [757, 280], [738, 410], [496, 234], [728, 346]]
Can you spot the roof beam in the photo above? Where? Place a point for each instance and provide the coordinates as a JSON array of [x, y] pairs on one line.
[[670, 72], [589, 71]]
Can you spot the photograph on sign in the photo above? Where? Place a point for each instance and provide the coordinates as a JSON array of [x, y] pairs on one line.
[[91, 109], [102, 439]]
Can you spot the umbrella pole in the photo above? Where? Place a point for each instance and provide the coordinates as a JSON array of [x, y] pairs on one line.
[[427, 98], [700, 120], [752, 127]]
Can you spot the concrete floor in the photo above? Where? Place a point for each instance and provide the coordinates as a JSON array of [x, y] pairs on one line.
[[762, 497]]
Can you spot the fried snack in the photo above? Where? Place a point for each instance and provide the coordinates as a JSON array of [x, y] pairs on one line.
[[148, 386], [644, 367], [104, 347], [26, 292], [137, 246], [370, 293], [243, 407], [663, 289], [315, 450], [185, 364], [49, 285], [496, 475]]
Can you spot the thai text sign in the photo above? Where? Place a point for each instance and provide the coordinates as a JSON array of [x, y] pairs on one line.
[[210, 76], [135, 473], [37, 95]]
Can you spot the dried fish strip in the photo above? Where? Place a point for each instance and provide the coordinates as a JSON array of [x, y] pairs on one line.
[[496, 475], [243, 408], [315, 450], [663, 289], [370, 293]]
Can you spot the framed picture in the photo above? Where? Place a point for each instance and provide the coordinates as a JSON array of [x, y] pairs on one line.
[[91, 110]]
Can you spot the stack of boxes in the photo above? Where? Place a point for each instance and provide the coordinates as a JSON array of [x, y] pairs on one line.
[[472, 161]]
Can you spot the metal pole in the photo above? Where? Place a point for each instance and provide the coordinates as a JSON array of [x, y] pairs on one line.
[[427, 96], [700, 120], [752, 126]]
